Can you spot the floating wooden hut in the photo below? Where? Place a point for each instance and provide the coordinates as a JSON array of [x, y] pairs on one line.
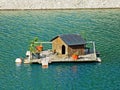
[[65, 48], [68, 44]]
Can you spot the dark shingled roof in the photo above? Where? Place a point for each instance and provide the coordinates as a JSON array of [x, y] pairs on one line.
[[71, 39]]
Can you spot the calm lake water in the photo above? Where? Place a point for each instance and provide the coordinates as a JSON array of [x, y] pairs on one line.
[[18, 28]]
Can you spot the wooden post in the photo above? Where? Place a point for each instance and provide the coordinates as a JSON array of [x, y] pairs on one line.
[[94, 50], [28, 53]]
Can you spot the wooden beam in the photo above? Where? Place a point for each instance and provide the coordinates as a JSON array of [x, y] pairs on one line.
[[44, 42]]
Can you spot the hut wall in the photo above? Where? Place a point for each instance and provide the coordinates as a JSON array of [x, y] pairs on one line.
[[77, 49], [57, 46]]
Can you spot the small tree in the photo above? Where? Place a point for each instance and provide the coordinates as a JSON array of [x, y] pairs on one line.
[[33, 45]]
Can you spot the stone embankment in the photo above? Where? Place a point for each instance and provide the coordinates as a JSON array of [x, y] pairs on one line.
[[58, 4]]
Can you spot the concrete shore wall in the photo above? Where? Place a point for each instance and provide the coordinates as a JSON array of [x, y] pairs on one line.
[[58, 4]]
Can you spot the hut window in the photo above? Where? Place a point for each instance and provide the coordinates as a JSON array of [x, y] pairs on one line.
[[63, 49]]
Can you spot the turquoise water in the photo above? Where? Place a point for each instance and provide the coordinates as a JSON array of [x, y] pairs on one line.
[[18, 28]]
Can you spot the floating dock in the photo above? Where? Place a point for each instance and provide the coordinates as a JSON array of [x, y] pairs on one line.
[[47, 57], [65, 48]]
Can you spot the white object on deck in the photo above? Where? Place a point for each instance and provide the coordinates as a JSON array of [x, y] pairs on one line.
[[28, 53], [18, 60], [98, 59], [45, 62]]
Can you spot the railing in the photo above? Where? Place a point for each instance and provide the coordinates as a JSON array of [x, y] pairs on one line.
[[44, 42]]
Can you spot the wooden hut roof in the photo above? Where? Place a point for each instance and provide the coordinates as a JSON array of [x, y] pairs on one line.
[[71, 39]]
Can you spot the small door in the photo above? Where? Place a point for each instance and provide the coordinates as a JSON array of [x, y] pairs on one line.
[[63, 49]]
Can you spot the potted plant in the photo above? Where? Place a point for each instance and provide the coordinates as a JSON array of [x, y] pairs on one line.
[[33, 45], [39, 47], [35, 48], [75, 56]]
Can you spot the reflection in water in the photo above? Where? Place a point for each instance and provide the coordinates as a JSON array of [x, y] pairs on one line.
[[18, 64], [28, 69], [23, 67], [74, 68]]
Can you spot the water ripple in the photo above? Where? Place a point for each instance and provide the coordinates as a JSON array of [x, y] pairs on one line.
[[18, 28]]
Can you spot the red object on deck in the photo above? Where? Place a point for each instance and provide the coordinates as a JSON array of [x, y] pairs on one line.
[[39, 48], [74, 57]]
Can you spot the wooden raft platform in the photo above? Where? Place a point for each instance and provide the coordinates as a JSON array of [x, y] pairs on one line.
[[55, 58]]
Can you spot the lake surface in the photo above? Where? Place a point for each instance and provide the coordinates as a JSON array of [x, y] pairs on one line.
[[18, 28]]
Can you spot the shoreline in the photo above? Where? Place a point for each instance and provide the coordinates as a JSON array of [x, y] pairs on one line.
[[57, 9]]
